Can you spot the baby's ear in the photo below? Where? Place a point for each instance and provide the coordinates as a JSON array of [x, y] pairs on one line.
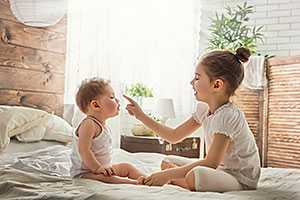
[[94, 104]]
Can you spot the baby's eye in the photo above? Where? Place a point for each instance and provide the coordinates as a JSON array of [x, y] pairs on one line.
[[112, 97]]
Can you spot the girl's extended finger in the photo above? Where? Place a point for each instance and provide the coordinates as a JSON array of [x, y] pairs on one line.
[[129, 99]]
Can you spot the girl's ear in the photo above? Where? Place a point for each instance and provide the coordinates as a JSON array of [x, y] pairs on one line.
[[218, 84]]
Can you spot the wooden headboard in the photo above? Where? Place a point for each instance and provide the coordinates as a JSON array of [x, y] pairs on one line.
[[32, 62]]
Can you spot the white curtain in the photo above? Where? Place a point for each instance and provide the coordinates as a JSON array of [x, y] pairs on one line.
[[150, 41]]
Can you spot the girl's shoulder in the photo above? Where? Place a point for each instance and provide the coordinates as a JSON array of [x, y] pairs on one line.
[[229, 121], [200, 112], [231, 113]]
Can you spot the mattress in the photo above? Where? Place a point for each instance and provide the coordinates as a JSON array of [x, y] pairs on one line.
[[44, 174]]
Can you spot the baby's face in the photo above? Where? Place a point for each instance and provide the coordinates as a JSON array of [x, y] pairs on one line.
[[109, 103]]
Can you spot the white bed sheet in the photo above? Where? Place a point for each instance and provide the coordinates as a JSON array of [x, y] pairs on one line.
[[43, 174]]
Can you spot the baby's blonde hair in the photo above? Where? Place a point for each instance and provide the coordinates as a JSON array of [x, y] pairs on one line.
[[88, 91]]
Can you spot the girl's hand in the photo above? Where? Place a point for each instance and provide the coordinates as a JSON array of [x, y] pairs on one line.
[[133, 108], [157, 179], [106, 171]]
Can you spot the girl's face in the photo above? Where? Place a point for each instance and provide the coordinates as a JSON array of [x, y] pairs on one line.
[[201, 84], [108, 104]]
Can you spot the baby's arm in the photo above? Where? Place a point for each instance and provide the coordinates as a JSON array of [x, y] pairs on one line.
[[86, 132]]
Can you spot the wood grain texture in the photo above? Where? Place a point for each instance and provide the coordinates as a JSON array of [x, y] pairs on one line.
[[283, 148], [283, 60], [37, 38], [29, 58], [44, 101], [13, 78], [32, 63]]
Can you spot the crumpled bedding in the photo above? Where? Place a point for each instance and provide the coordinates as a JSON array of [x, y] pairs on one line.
[[44, 174]]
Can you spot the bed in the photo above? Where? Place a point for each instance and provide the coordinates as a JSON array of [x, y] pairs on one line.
[[40, 170]]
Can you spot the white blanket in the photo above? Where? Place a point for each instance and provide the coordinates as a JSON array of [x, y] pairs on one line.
[[44, 174]]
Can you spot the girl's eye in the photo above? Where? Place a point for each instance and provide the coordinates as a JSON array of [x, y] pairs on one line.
[[112, 97]]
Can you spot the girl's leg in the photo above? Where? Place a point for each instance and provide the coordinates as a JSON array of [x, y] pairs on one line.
[[171, 161], [109, 179], [127, 170], [180, 182], [213, 180]]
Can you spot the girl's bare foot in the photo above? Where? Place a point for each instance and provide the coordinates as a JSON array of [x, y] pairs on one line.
[[167, 165]]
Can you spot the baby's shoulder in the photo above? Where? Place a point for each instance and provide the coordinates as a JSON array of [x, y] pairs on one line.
[[88, 126]]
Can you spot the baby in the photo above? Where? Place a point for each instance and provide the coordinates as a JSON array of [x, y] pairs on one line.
[[92, 144]]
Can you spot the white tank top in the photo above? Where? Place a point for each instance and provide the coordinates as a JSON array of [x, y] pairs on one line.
[[101, 147]]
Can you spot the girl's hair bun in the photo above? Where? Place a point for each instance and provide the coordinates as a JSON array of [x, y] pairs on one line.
[[243, 54]]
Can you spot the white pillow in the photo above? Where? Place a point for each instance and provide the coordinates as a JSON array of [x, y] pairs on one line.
[[17, 119], [77, 117], [58, 129], [33, 135]]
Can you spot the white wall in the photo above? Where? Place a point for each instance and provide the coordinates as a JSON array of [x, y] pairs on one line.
[[280, 17]]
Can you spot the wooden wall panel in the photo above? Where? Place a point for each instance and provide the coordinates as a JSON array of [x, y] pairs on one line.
[[37, 38], [5, 10], [43, 101], [32, 63], [283, 148], [28, 58], [14, 78]]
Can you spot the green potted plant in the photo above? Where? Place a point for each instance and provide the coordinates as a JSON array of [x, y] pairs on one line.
[[231, 30], [139, 91]]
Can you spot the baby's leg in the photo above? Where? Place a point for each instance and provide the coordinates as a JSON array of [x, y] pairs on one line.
[[109, 179], [127, 170]]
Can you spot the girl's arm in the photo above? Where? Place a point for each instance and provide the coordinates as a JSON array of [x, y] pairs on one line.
[[213, 158], [87, 132], [172, 135]]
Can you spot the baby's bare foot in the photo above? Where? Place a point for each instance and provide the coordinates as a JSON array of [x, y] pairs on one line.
[[167, 165], [140, 180]]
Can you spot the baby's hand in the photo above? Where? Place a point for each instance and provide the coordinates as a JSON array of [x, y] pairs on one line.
[[140, 180], [106, 171]]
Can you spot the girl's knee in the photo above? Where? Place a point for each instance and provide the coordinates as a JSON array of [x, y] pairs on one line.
[[197, 178], [190, 180]]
